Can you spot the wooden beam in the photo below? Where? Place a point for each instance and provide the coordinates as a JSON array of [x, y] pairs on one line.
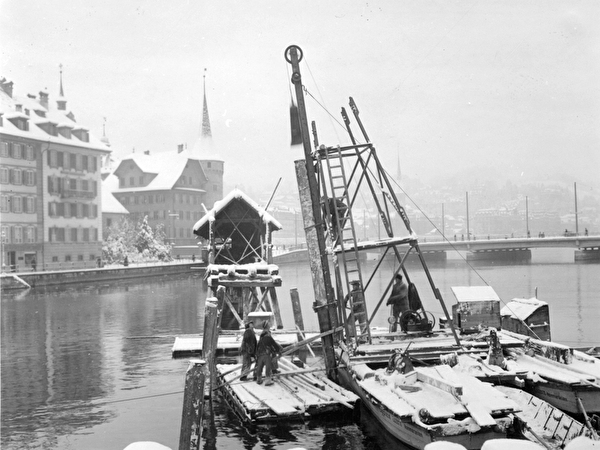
[[190, 433]]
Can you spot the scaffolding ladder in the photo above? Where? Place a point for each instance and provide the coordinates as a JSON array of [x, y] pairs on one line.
[[343, 234]]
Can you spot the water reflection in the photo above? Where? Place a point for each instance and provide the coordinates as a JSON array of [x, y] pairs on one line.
[[71, 354]]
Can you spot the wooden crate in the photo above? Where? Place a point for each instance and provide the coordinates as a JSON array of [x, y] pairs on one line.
[[473, 315]]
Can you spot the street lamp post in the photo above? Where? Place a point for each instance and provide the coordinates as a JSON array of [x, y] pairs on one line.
[[527, 215]]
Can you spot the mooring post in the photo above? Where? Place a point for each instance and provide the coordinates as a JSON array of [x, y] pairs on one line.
[[211, 335], [275, 306], [193, 406], [297, 310]]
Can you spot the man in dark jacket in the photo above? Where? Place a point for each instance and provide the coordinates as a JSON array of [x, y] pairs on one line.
[[399, 300], [248, 349], [267, 349]]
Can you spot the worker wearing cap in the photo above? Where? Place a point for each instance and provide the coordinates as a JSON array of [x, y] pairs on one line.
[[398, 299], [266, 350], [248, 349]]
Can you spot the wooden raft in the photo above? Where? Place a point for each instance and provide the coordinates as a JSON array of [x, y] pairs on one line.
[[296, 393]]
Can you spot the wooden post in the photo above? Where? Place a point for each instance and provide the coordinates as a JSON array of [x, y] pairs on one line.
[[297, 310], [275, 306], [193, 406], [324, 304], [211, 335], [220, 304]]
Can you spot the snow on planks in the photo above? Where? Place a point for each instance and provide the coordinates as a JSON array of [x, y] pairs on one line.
[[296, 393]]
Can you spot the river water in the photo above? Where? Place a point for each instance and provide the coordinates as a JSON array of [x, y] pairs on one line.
[[90, 367]]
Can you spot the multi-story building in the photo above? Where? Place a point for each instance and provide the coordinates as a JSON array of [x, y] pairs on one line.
[[50, 184], [172, 188]]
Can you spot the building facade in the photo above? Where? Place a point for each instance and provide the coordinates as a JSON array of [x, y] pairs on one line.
[[50, 194], [172, 189]]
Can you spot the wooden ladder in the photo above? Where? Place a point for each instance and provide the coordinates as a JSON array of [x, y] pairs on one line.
[[343, 234]]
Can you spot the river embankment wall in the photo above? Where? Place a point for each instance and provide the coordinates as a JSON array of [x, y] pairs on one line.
[[60, 277]]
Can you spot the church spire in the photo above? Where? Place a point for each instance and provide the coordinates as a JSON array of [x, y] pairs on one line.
[[61, 102], [205, 130]]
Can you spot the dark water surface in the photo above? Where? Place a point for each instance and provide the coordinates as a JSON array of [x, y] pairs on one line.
[[90, 367]]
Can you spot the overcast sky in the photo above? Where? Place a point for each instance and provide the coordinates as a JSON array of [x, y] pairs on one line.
[[508, 84]]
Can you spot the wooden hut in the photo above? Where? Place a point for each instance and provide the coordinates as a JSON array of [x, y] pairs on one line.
[[240, 271], [527, 316]]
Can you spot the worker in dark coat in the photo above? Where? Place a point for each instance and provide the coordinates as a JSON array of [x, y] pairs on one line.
[[248, 349], [265, 352], [399, 300]]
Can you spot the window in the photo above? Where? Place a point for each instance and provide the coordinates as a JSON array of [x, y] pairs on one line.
[[31, 235], [95, 234], [136, 200], [4, 179], [94, 211], [85, 210], [29, 177], [60, 159], [108, 223], [17, 177], [141, 180], [55, 259], [92, 257], [4, 204], [17, 204], [121, 182], [4, 153], [131, 181], [5, 234], [67, 258], [85, 185], [187, 215], [151, 198], [52, 235], [73, 234], [208, 164], [73, 161], [86, 235], [17, 151], [30, 205], [84, 164], [52, 158], [79, 257], [18, 235], [73, 208], [73, 184], [60, 234], [93, 161], [187, 199], [29, 153]]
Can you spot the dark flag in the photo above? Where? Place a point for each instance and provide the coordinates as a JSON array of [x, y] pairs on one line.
[[295, 125]]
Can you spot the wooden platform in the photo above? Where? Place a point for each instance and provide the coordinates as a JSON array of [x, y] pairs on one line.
[[230, 342], [296, 393]]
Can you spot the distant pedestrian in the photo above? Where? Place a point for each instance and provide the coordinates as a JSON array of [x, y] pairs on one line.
[[248, 349], [34, 262], [566, 231], [399, 300], [586, 231], [193, 258], [266, 350], [126, 261]]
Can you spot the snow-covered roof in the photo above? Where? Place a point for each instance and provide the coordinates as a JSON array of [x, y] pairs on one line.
[[8, 106], [109, 203], [474, 293], [236, 194], [522, 308], [168, 167]]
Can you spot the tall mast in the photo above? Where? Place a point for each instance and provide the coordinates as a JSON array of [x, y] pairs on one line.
[[324, 305]]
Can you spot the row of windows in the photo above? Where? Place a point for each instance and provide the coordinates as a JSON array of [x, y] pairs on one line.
[[72, 161], [179, 232], [72, 187], [68, 258], [17, 150], [18, 234], [167, 214], [17, 204], [58, 234], [17, 176], [68, 210], [159, 198]]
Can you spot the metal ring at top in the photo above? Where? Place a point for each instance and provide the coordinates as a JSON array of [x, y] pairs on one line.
[[300, 53]]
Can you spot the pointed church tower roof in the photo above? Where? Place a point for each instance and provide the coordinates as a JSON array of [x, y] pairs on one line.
[[204, 147], [61, 102]]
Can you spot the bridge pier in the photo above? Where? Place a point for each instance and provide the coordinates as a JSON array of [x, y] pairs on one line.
[[431, 256], [591, 254], [500, 255]]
